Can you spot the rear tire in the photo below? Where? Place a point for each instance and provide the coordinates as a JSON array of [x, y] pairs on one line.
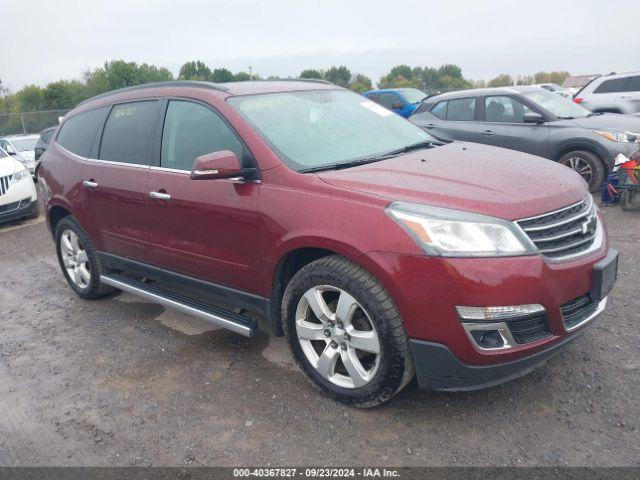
[[588, 165], [357, 353], [79, 260]]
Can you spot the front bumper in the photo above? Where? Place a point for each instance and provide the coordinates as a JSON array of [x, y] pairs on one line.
[[437, 368], [16, 210]]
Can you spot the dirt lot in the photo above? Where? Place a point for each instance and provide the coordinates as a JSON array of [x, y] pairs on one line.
[[124, 382]]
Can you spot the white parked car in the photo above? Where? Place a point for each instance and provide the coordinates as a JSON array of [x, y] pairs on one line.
[[22, 147], [18, 197]]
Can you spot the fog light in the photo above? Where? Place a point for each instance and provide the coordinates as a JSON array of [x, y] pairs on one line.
[[487, 339]]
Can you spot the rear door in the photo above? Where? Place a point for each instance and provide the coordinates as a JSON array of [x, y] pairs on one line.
[[115, 180], [455, 119], [502, 125]]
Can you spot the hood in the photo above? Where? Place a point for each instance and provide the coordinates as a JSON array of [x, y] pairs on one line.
[[468, 176], [8, 165], [616, 121]]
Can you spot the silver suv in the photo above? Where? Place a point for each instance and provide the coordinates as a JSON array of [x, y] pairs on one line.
[[615, 93]]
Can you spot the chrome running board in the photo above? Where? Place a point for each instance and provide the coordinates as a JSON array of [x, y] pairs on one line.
[[214, 315]]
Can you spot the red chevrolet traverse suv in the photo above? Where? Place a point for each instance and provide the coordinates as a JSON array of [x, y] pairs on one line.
[[378, 251]]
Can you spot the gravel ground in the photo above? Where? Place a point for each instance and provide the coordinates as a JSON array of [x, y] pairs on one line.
[[120, 381]]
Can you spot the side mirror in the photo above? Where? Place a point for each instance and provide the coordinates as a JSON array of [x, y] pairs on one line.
[[397, 105], [216, 165], [532, 117]]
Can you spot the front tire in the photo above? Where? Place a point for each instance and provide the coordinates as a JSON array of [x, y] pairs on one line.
[[346, 333], [587, 165], [79, 260]]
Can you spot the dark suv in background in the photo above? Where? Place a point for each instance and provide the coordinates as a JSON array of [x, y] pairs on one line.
[[377, 250], [535, 121]]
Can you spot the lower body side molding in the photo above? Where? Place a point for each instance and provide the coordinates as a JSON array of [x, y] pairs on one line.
[[214, 315]]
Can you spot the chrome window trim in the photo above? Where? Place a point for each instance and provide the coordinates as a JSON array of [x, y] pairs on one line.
[[98, 160]]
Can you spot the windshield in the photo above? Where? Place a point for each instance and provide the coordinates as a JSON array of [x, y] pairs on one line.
[[326, 127], [412, 95], [22, 144], [560, 106]]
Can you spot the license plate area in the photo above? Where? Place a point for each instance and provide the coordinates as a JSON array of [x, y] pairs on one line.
[[605, 273]]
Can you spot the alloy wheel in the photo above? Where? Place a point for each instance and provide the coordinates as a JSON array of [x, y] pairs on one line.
[[337, 336], [75, 259], [581, 166]]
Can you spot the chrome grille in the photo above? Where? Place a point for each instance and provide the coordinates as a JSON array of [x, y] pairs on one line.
[[4, 184], [564, 233]]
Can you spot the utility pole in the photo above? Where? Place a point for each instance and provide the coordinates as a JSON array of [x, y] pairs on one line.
[[250, 73]]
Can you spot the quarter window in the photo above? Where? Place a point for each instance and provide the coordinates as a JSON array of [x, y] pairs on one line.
[[191, 130], [78, 133], [504, 110], [128, 132], [440, 110]]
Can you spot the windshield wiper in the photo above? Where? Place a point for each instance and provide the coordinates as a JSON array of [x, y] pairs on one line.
[[340, 166], [376, 158], [413, 146]]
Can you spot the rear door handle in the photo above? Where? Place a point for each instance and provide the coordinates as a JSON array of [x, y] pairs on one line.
[[489, 133], [160, 195], [429, 125], [90, 183]]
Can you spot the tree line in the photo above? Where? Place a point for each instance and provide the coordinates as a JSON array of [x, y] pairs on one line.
[[65, 94]]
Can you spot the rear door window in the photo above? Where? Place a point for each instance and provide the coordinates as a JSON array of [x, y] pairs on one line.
[[611, 86], [461, 109], [128, 132], [190, 130], [632, 84], [388, 99], [79, 133]]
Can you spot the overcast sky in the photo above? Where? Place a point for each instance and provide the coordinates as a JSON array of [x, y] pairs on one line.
[[45, 40]]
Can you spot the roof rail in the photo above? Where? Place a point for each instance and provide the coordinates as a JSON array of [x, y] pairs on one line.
[[171, 83], [309, 80]]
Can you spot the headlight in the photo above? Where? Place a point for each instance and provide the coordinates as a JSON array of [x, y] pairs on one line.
[[19, 175], [453, 233], [619, 136]]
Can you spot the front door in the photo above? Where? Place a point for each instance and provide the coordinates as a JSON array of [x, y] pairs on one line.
[[208, 229], [503, 126], [115, 182]]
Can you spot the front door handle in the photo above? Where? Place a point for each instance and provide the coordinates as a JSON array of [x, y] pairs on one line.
[[90, 183], [489, 133], [429, 125], [160, 195]]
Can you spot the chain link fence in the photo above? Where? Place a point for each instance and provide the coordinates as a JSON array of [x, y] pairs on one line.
[[29, 122]]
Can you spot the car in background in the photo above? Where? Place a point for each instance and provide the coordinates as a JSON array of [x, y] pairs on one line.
[[18, 197], [22, 148], [402, 101], [43, 142], [533, 120], [615, 93], [555, 88]]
